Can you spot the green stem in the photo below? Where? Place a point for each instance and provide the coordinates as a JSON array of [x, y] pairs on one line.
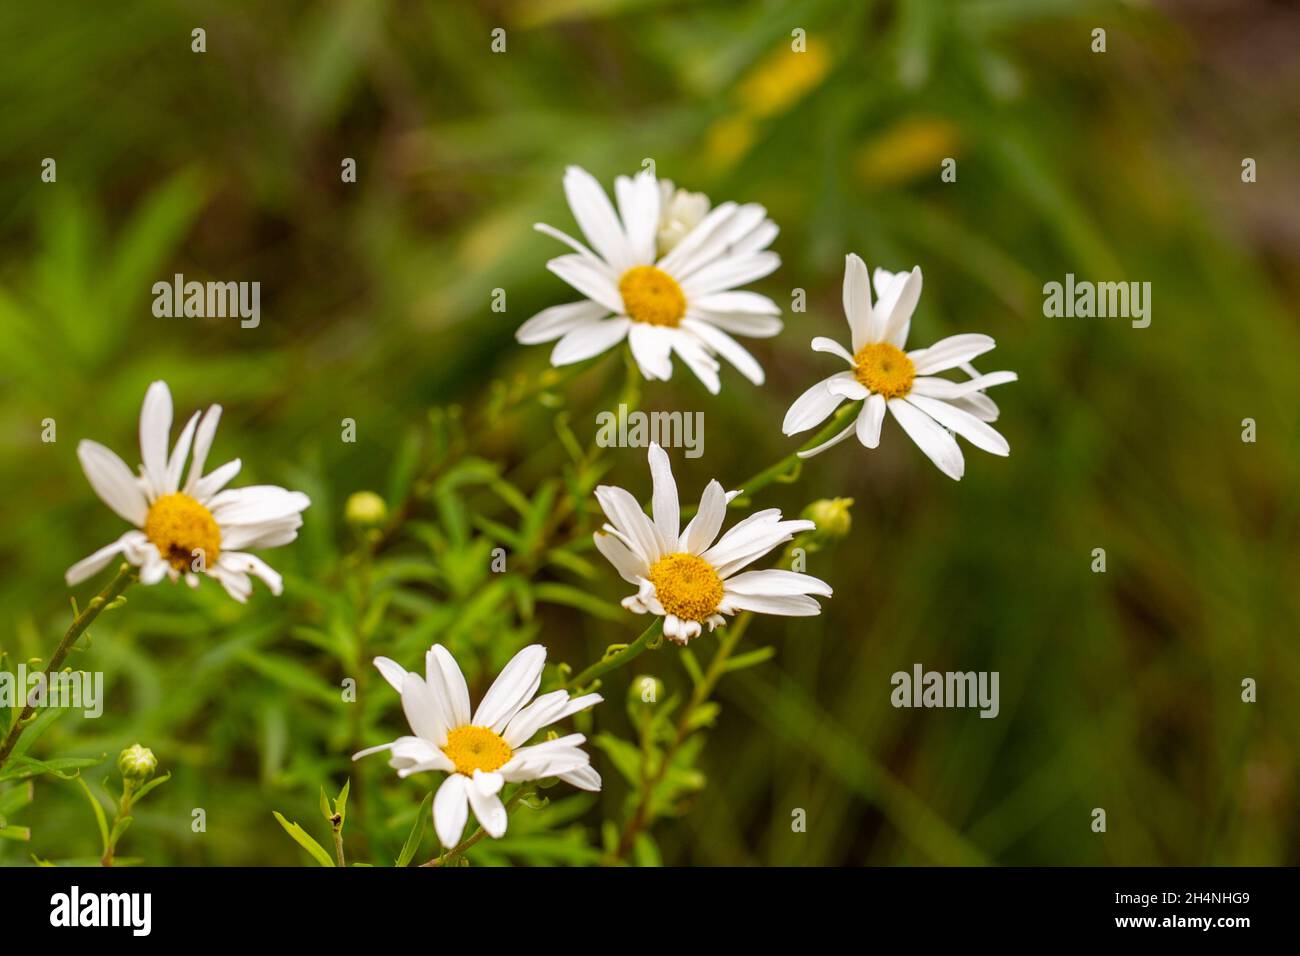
[[125, 575], [616, 660], [778, 471], [450, 855]]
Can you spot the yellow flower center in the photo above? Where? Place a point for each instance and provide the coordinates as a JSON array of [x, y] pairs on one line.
[[652, 296], [687, 586], [473, 748], [183, 531], [884, 369]]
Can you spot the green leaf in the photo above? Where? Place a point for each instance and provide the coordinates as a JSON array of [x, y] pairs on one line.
[[417, 832], [155, 782], [15, 798], [18, 834], [25, 767], [304, 840], [101, 819], [752, 659]]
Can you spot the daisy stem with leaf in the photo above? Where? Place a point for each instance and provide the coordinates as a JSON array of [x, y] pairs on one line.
[[623, 655], [125, 576]]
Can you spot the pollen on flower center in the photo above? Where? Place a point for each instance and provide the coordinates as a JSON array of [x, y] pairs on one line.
[[687, 586], [885, 369], [183, 531], [652, 296], [473, 748]]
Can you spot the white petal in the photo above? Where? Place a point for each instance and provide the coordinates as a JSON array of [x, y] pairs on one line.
[[687, 250], [596, 217], [629, 567], [950, 352], [946, 389], [489, 810], [809, 452], [869, 421], [749, 324], [447, 684], [588, 340], [155, 432], [638, 207], [811, 408], [392, 672], [207, 431], [963, 423], [900, 317], [728, 348], [176, 463], [651, 347], [113, 482], [92, 565], [740, 301], [823, 344], [663, 498], [255, 504], [704, 365], [940, 447], [857, 302], [422, 711], [728, 273], [788, 606], [451, 809], [704, 527], [846, 385], [558, 320], [513, 688], [206, 487], [251, 564], [775, 582], [625, 514], [590, 277], [584, 778]]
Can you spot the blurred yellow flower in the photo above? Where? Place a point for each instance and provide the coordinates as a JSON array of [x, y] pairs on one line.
[[912, 147]]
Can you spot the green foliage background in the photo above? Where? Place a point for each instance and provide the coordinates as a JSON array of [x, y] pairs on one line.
[[1119, 690]]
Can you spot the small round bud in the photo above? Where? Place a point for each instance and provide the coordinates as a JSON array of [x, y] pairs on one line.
[[831, 515], [137, 763], [365, 509]]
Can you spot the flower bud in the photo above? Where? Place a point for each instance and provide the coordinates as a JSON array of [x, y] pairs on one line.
[[137, 764], [365, 509], [831, 515]]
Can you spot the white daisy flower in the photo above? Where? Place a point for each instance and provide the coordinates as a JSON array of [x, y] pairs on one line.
[[664, 276], [682, 575], [481, 753], [929, 408], [192, 528]]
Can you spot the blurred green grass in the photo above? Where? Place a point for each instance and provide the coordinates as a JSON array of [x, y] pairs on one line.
[[1119, 690]]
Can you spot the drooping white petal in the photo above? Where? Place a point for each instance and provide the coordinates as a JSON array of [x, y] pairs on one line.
[[811, 408], [963, 423], [589, 339], [823, 344], [651, 347], [629, 566], [244, 563], [869, 421], [939, 446], [90, 566], [728, 348], [451, 809], [698, 359]]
